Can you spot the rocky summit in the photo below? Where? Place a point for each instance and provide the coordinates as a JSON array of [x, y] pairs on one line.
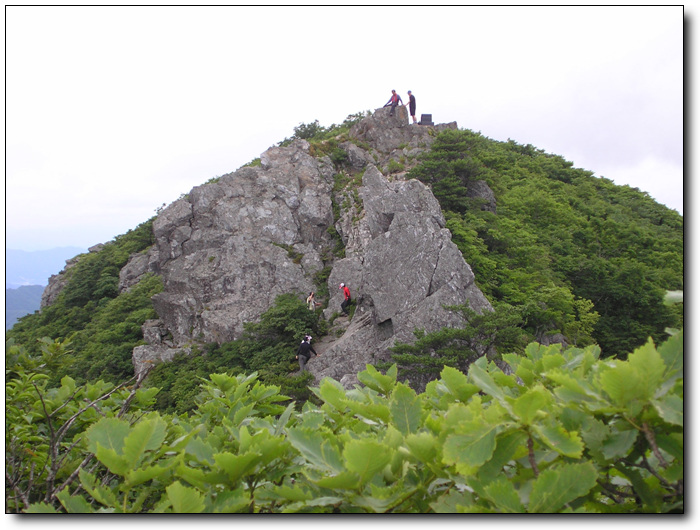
[[228, 248]]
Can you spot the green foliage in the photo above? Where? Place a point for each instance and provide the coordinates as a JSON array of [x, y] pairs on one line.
[[267, 347], [91, 311], [316, 133], [45, 429], [482, 334], [574, 254], [565, 432]]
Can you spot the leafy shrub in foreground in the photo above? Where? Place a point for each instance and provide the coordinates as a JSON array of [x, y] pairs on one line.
[[566, 432]]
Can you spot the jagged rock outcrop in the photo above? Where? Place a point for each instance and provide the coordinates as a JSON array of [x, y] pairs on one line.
[[138, 265], [227, 249], [58, 281], [403, 269], [392, 137]]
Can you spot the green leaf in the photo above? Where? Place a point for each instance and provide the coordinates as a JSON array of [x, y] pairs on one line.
[[671, 352], [317, 450], [375, 412], [290, 493], [117, 464], [184, 499], [649, 364], [423, 446], [366, 458], [374, 379], [503, 495], [345, 480], [486, 383], [144, 474], [528, 406], [101, 494], [109, 433], [40, 507], [670, 408], [381, 499], [201, 451], [622, 383], [73, 503], [236, 466], [650, 497], [472, 448], [456, 382], [619, 442], [506, 446], [231, 501], [555, 487], [146, 435], [556, 437], [333, 393], [406, 409], [284, 419]]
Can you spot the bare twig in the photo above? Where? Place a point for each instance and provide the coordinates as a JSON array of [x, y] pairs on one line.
[[531, 456]]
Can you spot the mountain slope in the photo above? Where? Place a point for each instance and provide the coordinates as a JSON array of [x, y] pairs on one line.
[[572, 258]]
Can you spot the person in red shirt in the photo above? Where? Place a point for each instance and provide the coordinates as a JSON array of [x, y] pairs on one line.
[[394, 100], [346, 302]]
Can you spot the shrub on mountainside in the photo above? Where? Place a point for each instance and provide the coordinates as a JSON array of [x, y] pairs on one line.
[[573, 253], [103, 325], [567, 432]]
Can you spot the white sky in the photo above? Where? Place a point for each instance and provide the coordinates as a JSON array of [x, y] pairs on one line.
[[113, 111]]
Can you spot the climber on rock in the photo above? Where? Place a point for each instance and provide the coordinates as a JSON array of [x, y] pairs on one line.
[[304, 352], [346, 302]]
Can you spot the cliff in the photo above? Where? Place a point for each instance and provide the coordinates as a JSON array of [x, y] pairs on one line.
[[230, 247]]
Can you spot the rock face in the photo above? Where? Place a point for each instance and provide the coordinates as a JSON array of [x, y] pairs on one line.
[[230, 247], [403, 269]]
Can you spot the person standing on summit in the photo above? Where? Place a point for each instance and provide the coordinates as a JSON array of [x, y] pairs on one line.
[[412, 106], [394, 100]]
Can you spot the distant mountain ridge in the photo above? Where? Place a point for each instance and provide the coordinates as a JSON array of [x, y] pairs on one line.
[[24, 267], [20, 302]]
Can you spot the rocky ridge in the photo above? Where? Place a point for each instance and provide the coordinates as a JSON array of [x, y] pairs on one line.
[[229, 248]]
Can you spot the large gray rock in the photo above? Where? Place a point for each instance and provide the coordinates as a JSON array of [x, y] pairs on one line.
[[403, 271], [139, 264], [228, 248], [392, 137]]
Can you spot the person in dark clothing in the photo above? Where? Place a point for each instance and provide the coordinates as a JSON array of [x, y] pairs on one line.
[[304, 352], [394, 100], [346, 302], [412, 106]]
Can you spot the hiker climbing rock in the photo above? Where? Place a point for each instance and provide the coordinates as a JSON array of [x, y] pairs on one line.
[[346, 302], [394, 100], [412, 106], [311, 301], [304, 352]]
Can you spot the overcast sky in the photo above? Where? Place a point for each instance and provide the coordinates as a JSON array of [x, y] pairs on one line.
[[113, 111]]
